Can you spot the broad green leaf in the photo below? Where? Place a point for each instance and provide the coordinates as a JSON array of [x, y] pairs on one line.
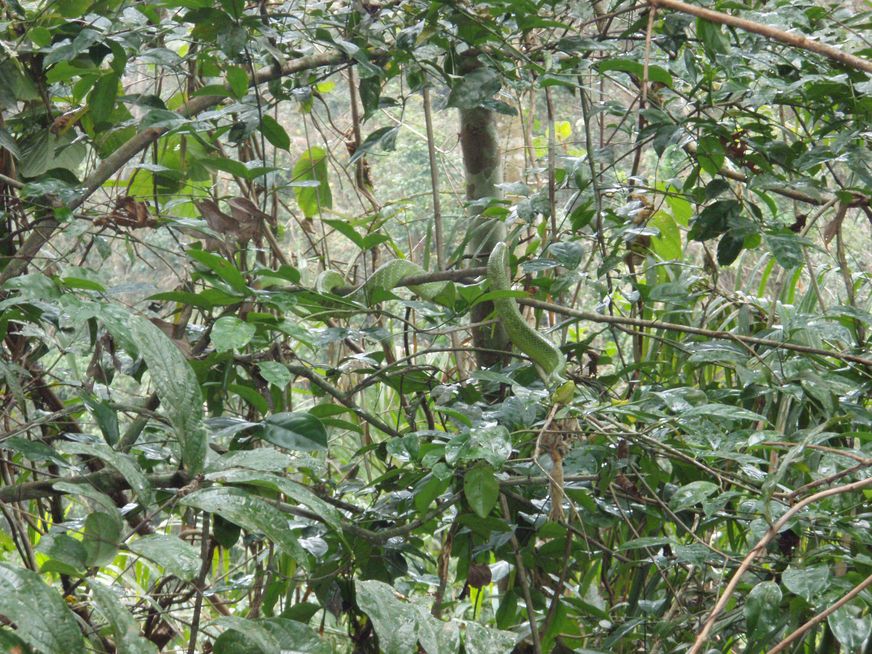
[[175, 555], [721, 411], [312, 167], [178, 390], [101, 100], [763, 609], [237, 79], [808, 583], [294, 431], [713, 38], [275, 133], [41, 617], [481, 488], [221, 267], [124, 627], [267, 636], [786, 248], [395, 621], [123, 463], [710, 154], [275, 373], [636, 69], [851, 625], [485, 640], [293, 490], [64, 550], [251, 513], [230, 333], [692, 494], [102, 534], [667, 244], [265, 459]]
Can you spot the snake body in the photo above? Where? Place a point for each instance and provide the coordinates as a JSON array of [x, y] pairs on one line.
[[386, 277], [548, 359]]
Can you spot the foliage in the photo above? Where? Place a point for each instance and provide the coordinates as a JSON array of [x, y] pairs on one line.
[[211, 442]]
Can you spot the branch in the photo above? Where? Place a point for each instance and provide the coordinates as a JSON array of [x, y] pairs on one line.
[[760, 546], [105, 480], [823, 615], [118, 159], [687, 329], [794, 40]]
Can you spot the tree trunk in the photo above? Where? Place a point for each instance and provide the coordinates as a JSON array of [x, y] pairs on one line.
[[483, 168]]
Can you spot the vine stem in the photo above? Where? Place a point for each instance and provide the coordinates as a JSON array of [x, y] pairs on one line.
[[760, 547], [820, 617]]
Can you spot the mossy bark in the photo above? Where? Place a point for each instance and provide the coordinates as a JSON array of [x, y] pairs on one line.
[[483, 168]]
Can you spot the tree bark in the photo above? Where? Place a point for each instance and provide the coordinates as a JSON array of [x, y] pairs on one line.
[[484, 172]]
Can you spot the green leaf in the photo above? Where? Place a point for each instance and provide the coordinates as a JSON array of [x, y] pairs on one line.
[[102, 533], [312, 167], [177, 387], [710, 154], [808, 583], [237, 80], [125, 628], [386, 137], [291, 489], [41, 616], [275, 373], [713, 38], [64, 550], [667, 244], [721, 411], [230, 333], [851, 625], [267, 636], [729, 248], [294, 431], [786, 247], [484, 640], [251, 513], [175, 555], [692, 494], [275, 133], [636, 69], [101, 100], [714, 220], [221, 267], [763, 609], [481, 488], [123, 463], [395, 622]]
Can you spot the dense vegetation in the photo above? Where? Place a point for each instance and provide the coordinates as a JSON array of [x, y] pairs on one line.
[[265, 386]]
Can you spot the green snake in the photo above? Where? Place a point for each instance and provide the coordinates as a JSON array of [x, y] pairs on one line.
[[547, 358], [386, 277]]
